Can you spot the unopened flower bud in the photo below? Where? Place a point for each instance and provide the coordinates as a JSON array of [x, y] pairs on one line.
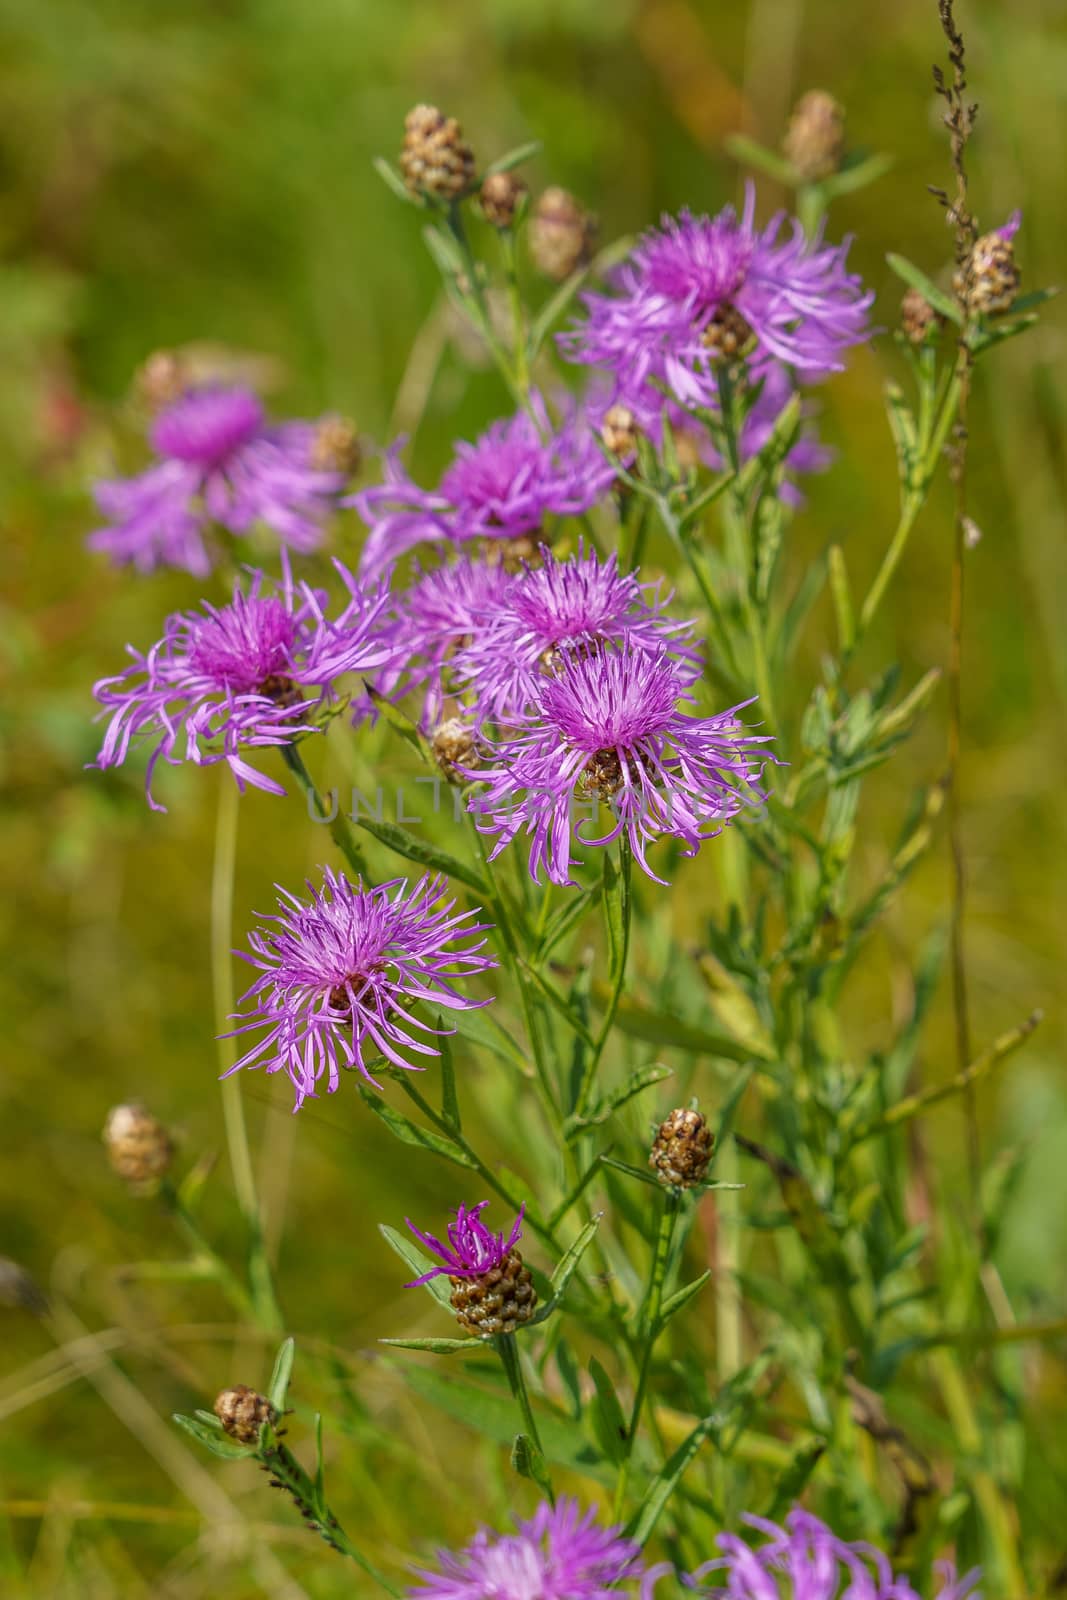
[[681, 1150], [989, 280], [335, 447], [562, 234], [453, 747], [619, 432], [162, 379], [435, 159], [815, 139], [243, 1412], [918, 319], [499, 198], [138, 1145]]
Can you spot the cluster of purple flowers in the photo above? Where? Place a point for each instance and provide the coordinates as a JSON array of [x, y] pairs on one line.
[[559, 1554]]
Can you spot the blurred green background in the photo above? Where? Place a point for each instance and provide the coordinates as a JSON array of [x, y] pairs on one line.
[[202, 172]]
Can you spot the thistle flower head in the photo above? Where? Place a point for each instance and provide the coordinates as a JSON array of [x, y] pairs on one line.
[[607, 727], [138, 1145], [557, 1554], [217, 460], [242, 1412], [435, 619], [988, 281], [500, 195], [815, 139], [499, 488], [580, 605], [692, 280], [435, 159], [806, 1560], [471, 1250], [243, 676], [341, 971], [562, 234]]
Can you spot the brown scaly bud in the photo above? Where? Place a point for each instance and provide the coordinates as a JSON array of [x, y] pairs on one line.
[[815, 139], [243, 1412], [513, 554], [562, 234], [496, 1302], [435, 159], [728, 336], [681, 1150], [918, 319], [335, 447], [499, 198], [453, 747], [162, 379], [138, 1145], [989, 282], [619, 432]]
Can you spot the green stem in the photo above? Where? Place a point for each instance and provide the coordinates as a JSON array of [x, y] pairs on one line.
[[205, 1255], [474, 298], [650, 1330], [913, 503], [620, 941], [508, 243], [287, 1473], [340, 828], [508, 1351], [267, 1313]]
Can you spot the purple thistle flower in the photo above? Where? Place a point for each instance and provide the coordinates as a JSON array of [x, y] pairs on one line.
[[218, 460], [472, 1250], [557, 1554], [339, 973], [792, 294], [501, 487], [578, 605], [434, 619], [246, 675], [805, 1560], [607, 726]]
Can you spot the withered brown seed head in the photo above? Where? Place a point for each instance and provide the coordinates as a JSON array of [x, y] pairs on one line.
[[918, 318], [562, 234], [619, 431], [681, 1150], [815, 139], [242, 1412], [138, 1145], [498, 1302], [453, 746], [499, 198], [435, 159], [335, 447], [989, 282], [728, 336]]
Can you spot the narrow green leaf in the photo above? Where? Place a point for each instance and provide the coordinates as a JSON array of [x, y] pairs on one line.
[[279, 1378], [392, 179], [558, 1002], [575, 1193], [681, 1297], [567, 1263], [856, 175], [660, 1028], [606, 1415], [436, 1347], [562, 921], [793, 1481], [642, 1079], [751, 154], [444, 250], [631, 1172], [663, 1484], [320, 1464], [917, 279], [421, 851], [483, 1029], [408, 1132], [514, 158], [400, 721], [419, 1263], [217, 1443]]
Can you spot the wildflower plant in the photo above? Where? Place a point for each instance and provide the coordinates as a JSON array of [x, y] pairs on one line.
[[726, 1336]]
